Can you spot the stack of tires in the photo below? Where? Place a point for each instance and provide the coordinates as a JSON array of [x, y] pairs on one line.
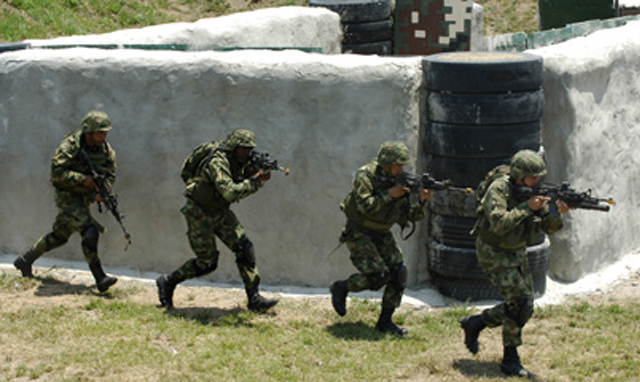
[[482, 107], [366, 24]]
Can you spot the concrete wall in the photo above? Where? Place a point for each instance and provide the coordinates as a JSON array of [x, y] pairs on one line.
[[271, 27], [591, 132], [321, 115]]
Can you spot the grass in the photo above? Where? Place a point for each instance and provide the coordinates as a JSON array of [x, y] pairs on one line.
[[114, 337], [42, 19]]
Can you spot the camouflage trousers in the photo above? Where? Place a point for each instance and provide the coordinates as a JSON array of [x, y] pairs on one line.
[[74, 215], [373, 254], [509, 273], [203, 227]]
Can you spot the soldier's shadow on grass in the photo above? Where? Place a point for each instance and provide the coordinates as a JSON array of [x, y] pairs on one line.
[[214, 316], [51, 287], [355, 331], [483, 369]]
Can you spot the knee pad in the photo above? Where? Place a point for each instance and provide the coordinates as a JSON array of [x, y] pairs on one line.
[[53, 241], [245, 254], [378, 280], [399, 274], [204, 267], [520, 311], [90, 239]]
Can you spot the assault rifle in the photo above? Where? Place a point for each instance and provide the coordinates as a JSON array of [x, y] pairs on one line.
[[573, 198], [415, 184], [109, 199], [263, 161]]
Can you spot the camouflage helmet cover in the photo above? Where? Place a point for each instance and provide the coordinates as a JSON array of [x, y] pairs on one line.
[[240, 137], [96, 120], [393, 153], [527, 163]]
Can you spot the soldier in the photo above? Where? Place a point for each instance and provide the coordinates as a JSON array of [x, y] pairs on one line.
[[75, 190], [224, 176], [505, 223], [372, 207]]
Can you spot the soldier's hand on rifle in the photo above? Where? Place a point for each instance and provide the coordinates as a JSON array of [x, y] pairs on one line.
[[398, 191], [563, 207], [536, 202], [425, 195], [261, 175]]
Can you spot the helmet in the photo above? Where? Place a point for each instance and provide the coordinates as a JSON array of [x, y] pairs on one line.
[[391, 153], [527, 163], [96, 121], [240, 137]]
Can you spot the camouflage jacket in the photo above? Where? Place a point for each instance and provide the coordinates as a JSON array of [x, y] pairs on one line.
[[220, 181], [69, 168], [370, 205], [505, 220]]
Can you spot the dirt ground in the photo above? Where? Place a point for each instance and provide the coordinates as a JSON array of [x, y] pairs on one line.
[[72, 288]]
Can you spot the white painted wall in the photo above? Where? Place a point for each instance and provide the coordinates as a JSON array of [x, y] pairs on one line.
[[591, 132], [321, 115], [271, 27]]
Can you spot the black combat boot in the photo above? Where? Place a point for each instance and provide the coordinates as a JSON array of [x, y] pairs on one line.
[[385, 324], [257, 303], [23, 263], [103, 282], [166, 285], [472, 326], [339, 297], [511, 365]]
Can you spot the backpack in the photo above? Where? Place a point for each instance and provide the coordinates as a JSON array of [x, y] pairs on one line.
[[497, 172], [192, 164]]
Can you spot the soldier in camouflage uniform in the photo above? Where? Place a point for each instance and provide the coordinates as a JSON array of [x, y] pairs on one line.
[[505, 223], [75, 190], [372, 207], [222, 178]]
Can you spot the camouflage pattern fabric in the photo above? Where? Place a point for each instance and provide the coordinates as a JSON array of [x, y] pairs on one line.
[[527, 163], [509, 273], [203, 227], [218, 183], [96, 121], [504, 226], [73, 200], [393, 153], [371, 212], [373, 255]]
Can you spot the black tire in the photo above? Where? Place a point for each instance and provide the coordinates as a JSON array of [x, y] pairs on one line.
[[462, 263], [483, 72], [478, 141], [463, 172], [359, 33], [453, 203], [479, 290], [13, 46], [356, 11], [452, 231], [485, 108], [381, 48]]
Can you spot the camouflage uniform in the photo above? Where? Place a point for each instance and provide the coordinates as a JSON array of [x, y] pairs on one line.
[[68, 170], [371, 212], [220, 180], [505, 224]]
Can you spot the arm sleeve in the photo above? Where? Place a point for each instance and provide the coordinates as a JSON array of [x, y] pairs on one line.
[[501, 219], [217, 172], [366, 200]]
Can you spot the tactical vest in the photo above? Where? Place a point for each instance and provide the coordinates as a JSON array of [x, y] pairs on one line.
[[380, 221]]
